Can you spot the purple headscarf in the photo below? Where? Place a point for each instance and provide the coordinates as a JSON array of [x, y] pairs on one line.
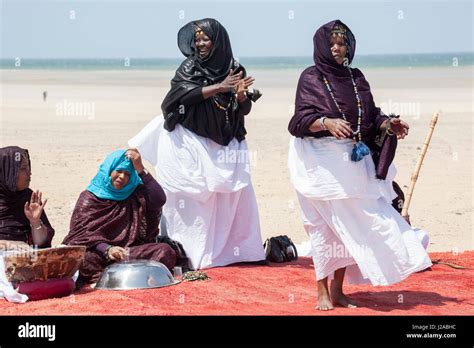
[[322, 55], [313, 100]]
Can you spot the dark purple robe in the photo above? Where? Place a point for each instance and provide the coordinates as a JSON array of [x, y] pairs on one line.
[[97, 223], [313, 100]]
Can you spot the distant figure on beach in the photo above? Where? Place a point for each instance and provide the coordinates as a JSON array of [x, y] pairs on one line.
[[45, 95], [201, 155], [346, 208], [117, 217]]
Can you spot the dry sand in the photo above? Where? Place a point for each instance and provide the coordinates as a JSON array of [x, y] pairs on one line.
[[90, 113]]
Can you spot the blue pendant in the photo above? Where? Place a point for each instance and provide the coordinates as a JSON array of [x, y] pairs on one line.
[[359, 151]]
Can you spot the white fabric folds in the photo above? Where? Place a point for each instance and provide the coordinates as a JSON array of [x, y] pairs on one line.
[[211, 207], [348, 216], [190, 164], [6, 288], [321, 168]]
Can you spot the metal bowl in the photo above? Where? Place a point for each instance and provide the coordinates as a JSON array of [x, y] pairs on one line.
[[137, 274]]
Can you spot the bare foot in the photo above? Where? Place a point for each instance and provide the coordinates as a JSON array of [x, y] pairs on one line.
[[341, 300], [324, 303]]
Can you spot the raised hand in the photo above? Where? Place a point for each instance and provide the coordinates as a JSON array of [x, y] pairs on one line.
[[243, 86], [34, 208], [231, 82], [134, 156]]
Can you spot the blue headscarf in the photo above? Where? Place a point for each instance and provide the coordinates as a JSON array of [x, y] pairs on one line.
[[101, 185]]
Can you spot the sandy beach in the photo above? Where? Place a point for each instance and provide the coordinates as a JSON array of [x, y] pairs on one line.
[[88, 114]]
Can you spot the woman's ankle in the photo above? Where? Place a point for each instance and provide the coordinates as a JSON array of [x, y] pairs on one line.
[[323, 289], [336, 286]]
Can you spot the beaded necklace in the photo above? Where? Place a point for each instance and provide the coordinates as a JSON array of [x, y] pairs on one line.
[[360, 149], [222, 107]]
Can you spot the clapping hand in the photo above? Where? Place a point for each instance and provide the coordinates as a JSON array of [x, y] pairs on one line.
[[243, 86]]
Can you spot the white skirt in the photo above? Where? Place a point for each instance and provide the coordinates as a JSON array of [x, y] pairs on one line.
[[348, 216], [210, 203]]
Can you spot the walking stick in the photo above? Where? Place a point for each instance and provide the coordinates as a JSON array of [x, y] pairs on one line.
[[414, 177]]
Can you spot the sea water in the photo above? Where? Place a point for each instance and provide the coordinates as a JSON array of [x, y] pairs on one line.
[[130, 63]]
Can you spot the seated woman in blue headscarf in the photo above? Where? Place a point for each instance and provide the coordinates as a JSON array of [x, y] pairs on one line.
[[117, 217]]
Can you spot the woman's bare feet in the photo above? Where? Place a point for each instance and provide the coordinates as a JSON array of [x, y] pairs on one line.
[[324, 301], [341, 300], [337, 296]]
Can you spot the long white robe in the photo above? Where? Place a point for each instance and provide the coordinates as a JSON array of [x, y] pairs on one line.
[[211, 207], [348, 215]]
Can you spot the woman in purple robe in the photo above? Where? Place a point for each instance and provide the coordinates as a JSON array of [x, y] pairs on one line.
[[23, 221], [346, 205], [117, 217]]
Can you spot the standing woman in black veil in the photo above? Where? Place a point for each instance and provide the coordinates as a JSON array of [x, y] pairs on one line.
[[200, 153]]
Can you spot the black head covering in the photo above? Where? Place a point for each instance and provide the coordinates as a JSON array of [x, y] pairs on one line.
[[196, 72], [10, 160], [13, 223], [12, 218], [218, 63]]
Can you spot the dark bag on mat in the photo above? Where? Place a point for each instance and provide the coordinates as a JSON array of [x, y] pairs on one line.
[[181, 258], [280, 249]]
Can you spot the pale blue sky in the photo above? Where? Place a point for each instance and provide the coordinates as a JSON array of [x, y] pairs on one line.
[[116, 29]]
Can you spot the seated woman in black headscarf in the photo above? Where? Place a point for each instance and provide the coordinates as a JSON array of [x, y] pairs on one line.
[[117, 217], [201, 154], [23, 221], [346, 202]]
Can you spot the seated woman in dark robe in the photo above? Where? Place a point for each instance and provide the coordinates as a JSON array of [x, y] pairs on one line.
[[23, 221], [117, 216]]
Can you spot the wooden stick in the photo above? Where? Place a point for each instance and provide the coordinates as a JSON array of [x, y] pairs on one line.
[[414, 177]]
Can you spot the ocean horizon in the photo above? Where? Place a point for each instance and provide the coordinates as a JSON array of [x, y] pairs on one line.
[[266, 63]]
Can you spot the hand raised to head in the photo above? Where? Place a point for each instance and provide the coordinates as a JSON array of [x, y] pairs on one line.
[[134, 156]]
